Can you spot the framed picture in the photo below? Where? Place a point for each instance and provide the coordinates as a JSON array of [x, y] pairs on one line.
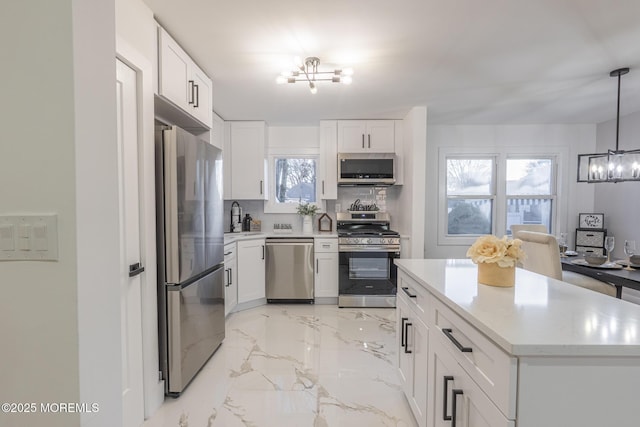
[[591, 220], [325, 223]]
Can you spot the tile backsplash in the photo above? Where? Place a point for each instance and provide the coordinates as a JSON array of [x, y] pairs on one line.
[[383, 197]]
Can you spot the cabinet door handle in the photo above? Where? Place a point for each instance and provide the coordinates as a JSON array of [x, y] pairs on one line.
[[230, 276], [197, 102], [262, 251], [363, 140], [404, 319], [406, 341], [261, 185], [410, 295], [317, 267], [445, 393], [454, 395], [191, 85], [323, 186], [448, 332], [369, 140], [135, 269]]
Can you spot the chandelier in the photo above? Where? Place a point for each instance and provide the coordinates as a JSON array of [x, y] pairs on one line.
[[614, 165], [308, 72]]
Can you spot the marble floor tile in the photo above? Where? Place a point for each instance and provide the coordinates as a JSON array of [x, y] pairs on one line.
[[296, 365]]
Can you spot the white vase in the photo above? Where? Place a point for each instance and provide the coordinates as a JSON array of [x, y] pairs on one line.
[[307, 224]]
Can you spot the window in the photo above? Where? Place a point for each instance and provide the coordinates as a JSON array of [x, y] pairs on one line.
[[486, 193], [529, 194], [293, 179], [470, 196]]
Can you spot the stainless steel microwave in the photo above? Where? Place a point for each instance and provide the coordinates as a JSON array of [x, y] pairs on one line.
[[366, 169]]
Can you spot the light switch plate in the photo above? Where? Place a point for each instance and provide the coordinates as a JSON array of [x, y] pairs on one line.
[[29, 237]]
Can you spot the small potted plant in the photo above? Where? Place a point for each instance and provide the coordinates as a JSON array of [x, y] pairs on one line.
[[496, 259], [307, 210]]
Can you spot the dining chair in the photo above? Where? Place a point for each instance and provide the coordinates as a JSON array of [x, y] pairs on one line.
[[540, 228], [543, 257]]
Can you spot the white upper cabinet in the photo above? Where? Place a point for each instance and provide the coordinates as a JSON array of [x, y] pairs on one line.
[[182, 82], [366, 136], [244, 161], [328, 173]]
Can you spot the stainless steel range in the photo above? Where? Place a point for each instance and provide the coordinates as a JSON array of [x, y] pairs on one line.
[[367, 274]]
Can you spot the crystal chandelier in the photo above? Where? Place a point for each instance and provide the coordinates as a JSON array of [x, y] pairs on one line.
[[614, 165], [308, 72]]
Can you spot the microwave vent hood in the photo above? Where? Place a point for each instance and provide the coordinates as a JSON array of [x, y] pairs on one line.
[[372, 169]]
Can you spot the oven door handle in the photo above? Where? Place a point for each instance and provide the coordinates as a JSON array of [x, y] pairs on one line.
[[364, 248]]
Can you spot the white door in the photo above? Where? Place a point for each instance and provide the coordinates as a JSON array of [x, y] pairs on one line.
[[130, 286]]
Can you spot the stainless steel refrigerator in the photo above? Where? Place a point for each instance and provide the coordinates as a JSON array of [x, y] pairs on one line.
[[190, 254]]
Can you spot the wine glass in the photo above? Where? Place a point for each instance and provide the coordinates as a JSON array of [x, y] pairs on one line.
[[629, 250], [562, 244], [609, 244]]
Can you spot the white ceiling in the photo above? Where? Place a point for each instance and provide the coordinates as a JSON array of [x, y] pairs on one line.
[[468, 61]]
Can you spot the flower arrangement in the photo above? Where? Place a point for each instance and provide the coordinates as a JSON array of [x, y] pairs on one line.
[[489, 249], [307, 209]]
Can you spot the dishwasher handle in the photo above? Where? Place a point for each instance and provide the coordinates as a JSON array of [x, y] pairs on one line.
[[289, 242]]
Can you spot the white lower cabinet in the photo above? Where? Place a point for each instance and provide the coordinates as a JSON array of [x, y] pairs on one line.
[[413, 347], [326, 268], [458, 400], [230, 278], [440, 391], [251, 270]]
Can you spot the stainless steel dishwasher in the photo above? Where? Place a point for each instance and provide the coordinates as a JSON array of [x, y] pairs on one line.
[[289, 270]]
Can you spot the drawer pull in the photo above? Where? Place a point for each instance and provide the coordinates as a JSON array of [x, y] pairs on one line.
[[406, 291], [228, 253], [406, 341], [454, 394], [448, 332], [445, 393], [404, 319]]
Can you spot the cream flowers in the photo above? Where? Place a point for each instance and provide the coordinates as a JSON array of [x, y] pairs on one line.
[[490, 249]]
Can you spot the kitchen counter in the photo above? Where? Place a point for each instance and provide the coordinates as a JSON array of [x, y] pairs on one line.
[[539, 316], [248, 235]]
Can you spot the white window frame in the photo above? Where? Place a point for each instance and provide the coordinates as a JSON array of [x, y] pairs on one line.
[[270, 205], [560, 155]]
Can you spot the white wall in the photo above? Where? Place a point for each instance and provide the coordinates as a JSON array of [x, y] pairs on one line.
[[567, 139], [409, 211], [619, 202], [61, 340]]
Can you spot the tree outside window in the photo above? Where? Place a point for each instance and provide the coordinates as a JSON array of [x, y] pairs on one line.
[[295, 180], [470, 196]]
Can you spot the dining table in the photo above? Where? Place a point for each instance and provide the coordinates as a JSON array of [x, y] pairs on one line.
[[619, 277]]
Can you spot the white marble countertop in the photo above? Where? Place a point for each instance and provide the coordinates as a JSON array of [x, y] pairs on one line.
[[539, 316], [248, 235]]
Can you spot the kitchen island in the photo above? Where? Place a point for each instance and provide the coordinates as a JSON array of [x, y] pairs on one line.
[[541, 353]]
